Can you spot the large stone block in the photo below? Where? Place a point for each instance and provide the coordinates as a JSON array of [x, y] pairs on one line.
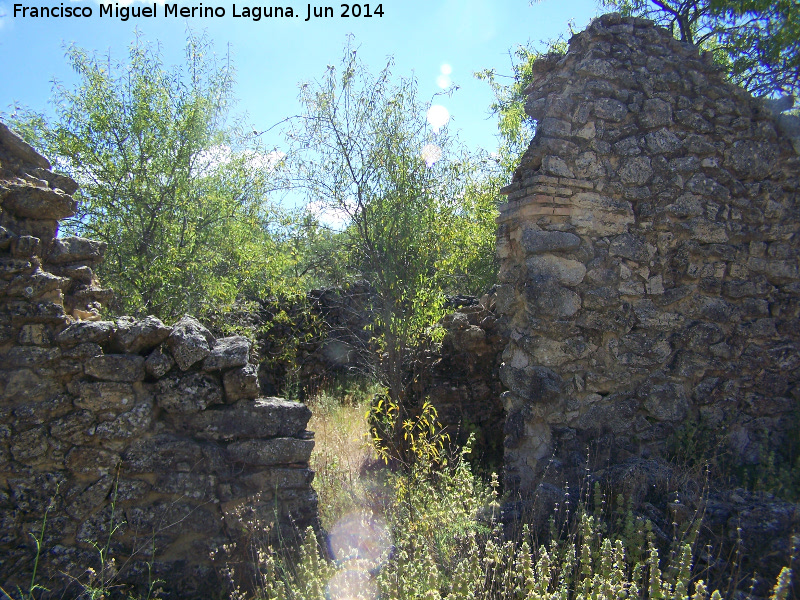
[[545, 297], [565, 271], [76, 249], [189, 342], [18, 147], [277, 451], [227, 353], [134, 336], [86, 331], [188, 393], [28, 201], [104, 396], [262, 418], [116, 367]]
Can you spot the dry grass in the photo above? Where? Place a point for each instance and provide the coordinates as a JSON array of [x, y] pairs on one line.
[[341, 454]]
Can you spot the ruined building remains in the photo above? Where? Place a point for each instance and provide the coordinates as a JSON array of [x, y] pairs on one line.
[[649, 261], [147, 440]]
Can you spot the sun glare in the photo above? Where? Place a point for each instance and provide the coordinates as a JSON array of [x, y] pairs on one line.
[[438, 116]]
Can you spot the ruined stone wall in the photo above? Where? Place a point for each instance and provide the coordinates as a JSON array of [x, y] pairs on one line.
[[331, 328], [148, 438], [460, 377], [649, 261]]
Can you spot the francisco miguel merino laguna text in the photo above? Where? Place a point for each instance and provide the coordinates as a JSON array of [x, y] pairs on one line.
[[123, 13]]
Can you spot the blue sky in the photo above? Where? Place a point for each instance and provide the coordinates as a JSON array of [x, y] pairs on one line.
[[273, 55]]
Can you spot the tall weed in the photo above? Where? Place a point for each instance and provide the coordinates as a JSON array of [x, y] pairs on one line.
[[443, 540]]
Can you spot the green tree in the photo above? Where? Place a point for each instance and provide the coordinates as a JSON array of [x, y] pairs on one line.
[[362, 149], [757, 41], [179, 196], [516, 129]]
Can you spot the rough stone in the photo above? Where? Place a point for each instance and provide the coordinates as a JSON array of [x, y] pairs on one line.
[[92, 461], [655, 113], [86, 331], [241, 384], [81, 437], [672, 309], [610, 109], [259, 419], [227, 353], [158, 363], [636, 171], [189, 342], [19, 147], [74, 249], [188, 393], [277, 451], [116, 367], [538, 242], [662, 141], [38, 203], [133, 337], [548, 298], [566, 271], [104, 396]]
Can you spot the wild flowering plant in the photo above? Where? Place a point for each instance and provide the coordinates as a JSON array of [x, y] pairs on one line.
[[443, 540]]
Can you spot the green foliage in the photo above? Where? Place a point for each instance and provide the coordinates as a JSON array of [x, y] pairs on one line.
[[357, 151], [514, 126], [446, 543], [179, 196], [756, 41], [423, 438]]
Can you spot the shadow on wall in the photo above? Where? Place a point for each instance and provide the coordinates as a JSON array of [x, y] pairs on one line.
[[649, 265]]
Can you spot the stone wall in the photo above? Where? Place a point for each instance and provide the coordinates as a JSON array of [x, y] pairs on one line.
[[460, 378], [649, 261], [315, 341], [150, 438]]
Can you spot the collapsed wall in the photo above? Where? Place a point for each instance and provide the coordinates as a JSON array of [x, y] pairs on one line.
[[649, 261], [148, 440], [459, 377], [317, 340]]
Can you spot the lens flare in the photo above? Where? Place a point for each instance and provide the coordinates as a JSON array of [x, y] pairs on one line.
[[352, 584], [431, 153], [361, 536], [438, 116], [360, 542], [443, 81], [446, 69]]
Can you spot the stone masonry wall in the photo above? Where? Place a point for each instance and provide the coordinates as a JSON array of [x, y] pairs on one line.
[[649, 260], [460, 378], [150, 438]]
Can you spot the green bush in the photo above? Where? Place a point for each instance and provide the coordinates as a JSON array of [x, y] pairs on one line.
[[446, 542]]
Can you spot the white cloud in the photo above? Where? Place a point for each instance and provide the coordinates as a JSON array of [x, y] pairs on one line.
[[333, 217], [210, 159]]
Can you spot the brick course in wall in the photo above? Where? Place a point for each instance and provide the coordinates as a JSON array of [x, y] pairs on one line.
[[649, 260]]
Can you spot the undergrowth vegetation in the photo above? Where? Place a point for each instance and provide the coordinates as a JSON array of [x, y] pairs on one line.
[[429, 528], [703, 446]]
